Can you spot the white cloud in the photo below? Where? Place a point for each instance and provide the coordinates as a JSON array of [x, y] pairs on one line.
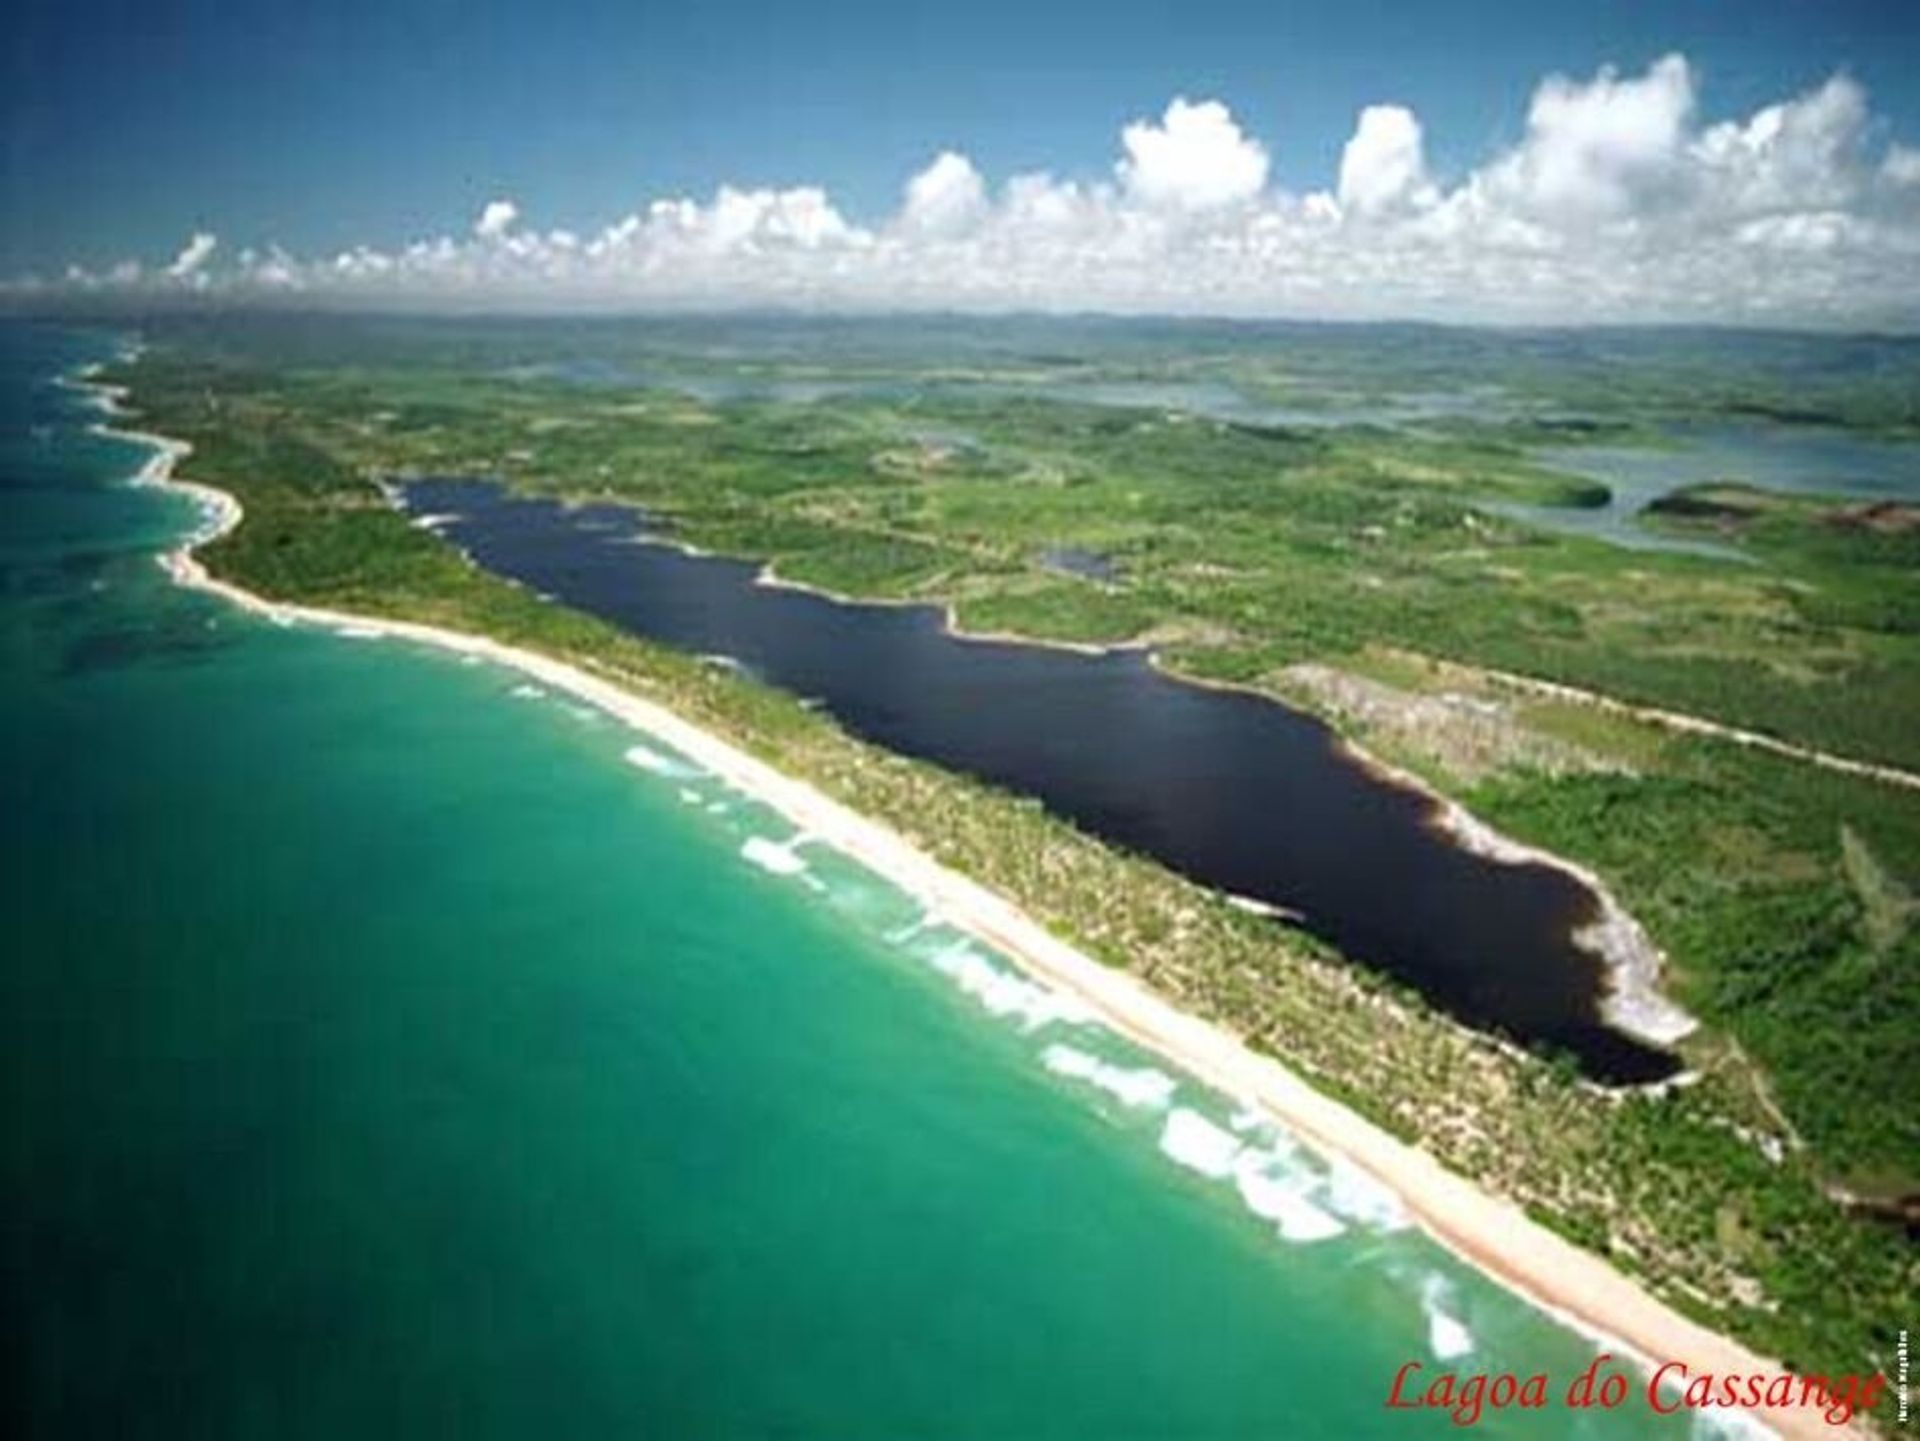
[[272, 269], [1194, 159], [750, 219], [1600, 148], [1383, 168], [193, 256], [1805, 231], [1616, 204], [1902, 165], [945, 198], [496, 219], [1789, 156]]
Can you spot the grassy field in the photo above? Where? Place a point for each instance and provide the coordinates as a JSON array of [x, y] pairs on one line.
[[1350, 569]]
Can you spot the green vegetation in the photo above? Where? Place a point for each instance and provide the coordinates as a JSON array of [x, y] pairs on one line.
[[1240, 547], [1737, 863], [1349, 569]]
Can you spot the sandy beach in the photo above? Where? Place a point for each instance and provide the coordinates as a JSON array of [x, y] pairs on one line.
[[1491, 1234]]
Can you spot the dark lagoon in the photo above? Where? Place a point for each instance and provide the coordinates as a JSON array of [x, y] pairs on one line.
[[1233, 790]]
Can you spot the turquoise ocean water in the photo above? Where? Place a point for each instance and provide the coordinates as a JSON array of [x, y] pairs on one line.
[[391, 1050]]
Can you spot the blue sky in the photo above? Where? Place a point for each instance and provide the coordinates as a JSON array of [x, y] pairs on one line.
[[324, 124], [1725, 160]]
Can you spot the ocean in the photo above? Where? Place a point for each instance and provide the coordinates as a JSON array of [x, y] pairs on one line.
[[395, 1049]]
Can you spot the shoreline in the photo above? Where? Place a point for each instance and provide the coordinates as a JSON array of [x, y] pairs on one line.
[[1564, 1281]]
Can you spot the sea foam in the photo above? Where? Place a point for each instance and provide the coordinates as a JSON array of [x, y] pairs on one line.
[[1005, 993], [1337, 1188], [1447, 1336], [1189, 1139], [1270, 1188], [1247, 1118], [649, 759], [902, 934], [1355, 1195], [1278, 1195], [1141, 1087], [771, 856]]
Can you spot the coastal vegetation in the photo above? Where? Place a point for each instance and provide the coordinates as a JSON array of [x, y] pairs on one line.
[[1352, 568]]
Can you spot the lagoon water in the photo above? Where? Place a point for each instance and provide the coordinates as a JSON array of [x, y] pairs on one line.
[[394, 1050], [1803, 459], [1235, 790]]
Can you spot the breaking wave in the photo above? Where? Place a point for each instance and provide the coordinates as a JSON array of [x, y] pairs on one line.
[[1274, 1193], [1267, 1185], [772, 856], [1353, 1194], [1447, 1335], [1005, 992], [1189, 1139], [1140, 1087], [649, 759]]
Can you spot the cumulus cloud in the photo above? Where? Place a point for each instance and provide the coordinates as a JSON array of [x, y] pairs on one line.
[[948, 196], [1601, 148], [496, 219], [1902, 165], [1618, 202], [1384, 168], [1196, 158], [193, 256]]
